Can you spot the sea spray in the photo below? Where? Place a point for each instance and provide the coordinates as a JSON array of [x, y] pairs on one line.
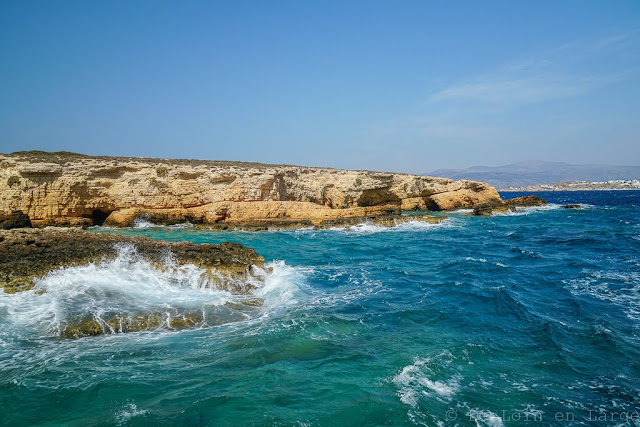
[[128, 294]]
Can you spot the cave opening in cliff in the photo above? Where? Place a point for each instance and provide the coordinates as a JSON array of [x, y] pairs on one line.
[[98, 216], [431, 204]]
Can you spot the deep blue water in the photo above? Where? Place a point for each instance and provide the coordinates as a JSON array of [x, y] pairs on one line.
[[476, 321]]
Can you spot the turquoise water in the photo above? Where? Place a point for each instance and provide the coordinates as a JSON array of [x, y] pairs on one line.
[[533, 316]]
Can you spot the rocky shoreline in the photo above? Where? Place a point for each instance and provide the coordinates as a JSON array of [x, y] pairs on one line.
[[74, 192], [67, 189], [28, 254]]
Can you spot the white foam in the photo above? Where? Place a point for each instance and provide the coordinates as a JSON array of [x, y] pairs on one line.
[[529, 210], [484, 260], [369, 228], [484, 417], [622, 289], [281, 285], [413, 383], [127, 286], [129, 411], [141, 223]]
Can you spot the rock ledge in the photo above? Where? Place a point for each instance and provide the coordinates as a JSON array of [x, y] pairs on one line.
[[29, 254]]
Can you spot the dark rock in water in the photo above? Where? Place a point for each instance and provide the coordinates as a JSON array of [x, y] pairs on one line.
[[14, 219], [483, 210], [28, 254], [572, 206], [509, 205], [525, 201]]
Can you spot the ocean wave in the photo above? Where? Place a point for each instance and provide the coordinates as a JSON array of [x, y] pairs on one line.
[[369, 228], [484, 417], [529, 210], [129, 411], [622, 289], [113, 294], [462, 211], [141, 223], [281, 285], [485, 261], [418, 381]]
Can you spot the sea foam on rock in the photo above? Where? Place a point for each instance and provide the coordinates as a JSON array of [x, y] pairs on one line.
[[28, 254], [102, 283]]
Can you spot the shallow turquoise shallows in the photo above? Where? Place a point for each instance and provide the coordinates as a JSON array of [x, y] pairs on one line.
[[475, 321]]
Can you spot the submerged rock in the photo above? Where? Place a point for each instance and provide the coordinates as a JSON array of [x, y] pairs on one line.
[[169, 319], [525, 201], [29, 254], [571, 206], [114, 324]]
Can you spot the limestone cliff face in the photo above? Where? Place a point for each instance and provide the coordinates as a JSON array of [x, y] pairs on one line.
[[67, 189]]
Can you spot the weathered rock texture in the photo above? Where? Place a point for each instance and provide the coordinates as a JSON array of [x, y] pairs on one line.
[[67, 189], [29, 254], [509, 205]]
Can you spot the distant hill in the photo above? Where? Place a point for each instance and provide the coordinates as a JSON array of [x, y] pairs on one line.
[[538, 172]]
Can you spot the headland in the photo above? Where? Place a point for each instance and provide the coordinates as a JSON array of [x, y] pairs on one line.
[[68, 189]]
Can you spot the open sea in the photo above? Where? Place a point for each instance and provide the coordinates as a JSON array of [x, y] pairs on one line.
[[527, 318]]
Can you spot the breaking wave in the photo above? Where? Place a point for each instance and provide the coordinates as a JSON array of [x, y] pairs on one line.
[[370, 228], [529, 210], [128, 293], [142, 223]]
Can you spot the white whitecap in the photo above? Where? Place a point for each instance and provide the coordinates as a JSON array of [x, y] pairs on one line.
[[401, 225], [529, 210], [281, 284], [416, 382], [142, 223], [484, 417], [129, 411]]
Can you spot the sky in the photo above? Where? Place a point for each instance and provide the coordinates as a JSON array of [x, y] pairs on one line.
[[409, 86]]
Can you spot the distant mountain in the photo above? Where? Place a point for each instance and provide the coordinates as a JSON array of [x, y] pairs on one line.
[[538, 172]]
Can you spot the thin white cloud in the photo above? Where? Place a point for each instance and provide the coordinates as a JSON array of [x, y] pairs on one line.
[[488, 110], [554, 75], [508, 92]]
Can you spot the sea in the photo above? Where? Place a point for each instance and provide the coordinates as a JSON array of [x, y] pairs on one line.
[[524, 318]]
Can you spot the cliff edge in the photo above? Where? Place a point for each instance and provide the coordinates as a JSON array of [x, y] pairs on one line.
[[73, 189]]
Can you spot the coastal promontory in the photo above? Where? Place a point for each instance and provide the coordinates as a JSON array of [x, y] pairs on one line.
[[67, 189]]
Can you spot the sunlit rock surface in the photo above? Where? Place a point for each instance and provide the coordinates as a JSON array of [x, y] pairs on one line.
[[75, 190]]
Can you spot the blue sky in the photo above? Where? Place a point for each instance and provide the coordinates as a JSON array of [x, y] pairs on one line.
[[400, 86]]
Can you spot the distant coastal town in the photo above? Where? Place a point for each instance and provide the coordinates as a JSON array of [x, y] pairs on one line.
[[619, 184]]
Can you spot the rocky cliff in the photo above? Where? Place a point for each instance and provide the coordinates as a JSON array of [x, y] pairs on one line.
[[72, 189]]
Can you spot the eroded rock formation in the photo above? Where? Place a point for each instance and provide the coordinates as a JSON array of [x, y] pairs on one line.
[[65, 189], [29, 254], [510, 205]]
